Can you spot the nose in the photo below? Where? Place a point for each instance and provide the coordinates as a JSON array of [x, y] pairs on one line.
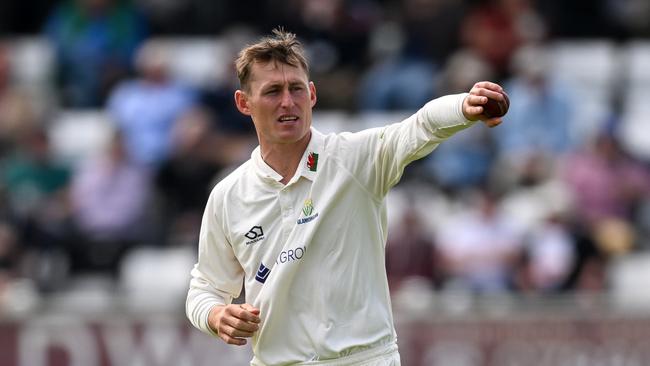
[[287, 100]]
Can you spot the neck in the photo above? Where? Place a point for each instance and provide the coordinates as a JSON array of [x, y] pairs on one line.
[[285, 158]]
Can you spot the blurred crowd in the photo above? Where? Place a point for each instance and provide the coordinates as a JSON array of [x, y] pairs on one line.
[[540, 204]]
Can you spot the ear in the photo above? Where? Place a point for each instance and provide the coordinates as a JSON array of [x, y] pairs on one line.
[[241, 101], [312, 93]]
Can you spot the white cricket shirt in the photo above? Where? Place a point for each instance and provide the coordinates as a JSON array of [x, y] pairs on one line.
[[311, 253]]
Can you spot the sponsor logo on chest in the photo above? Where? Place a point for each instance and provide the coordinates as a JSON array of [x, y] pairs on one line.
[[285, 256], [308, 213], [290, 255]]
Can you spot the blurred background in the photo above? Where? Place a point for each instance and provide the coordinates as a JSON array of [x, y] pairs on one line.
[[526, 244]]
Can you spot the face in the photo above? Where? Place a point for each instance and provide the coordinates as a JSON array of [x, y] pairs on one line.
[[279, 100]]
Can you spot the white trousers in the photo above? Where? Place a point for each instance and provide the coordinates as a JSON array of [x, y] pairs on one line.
[[386, 355]]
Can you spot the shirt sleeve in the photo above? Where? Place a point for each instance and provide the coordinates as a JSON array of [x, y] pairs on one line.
[[217, 277], [378, 156]]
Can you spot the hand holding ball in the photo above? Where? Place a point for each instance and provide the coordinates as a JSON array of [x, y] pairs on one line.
[[495, 108], [486, 101]]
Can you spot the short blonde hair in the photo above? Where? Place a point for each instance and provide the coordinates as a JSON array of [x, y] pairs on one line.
[[281, 47]]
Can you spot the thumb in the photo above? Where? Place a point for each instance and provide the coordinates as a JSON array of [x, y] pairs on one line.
[[251, 308]]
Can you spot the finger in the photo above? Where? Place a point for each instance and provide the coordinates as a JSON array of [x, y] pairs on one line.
[[476, 100], [231, 340], [239, 312], [241, 324], [250, 308], [236, 333], [496, 95], [242, 313], [474, 110], [489, 85]]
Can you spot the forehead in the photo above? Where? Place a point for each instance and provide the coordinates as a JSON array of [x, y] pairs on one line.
[[272, 72]]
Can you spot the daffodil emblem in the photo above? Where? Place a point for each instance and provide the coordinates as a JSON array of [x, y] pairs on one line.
[[308, 208]]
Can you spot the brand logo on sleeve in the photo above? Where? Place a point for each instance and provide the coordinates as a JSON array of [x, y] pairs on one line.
[[255, 234], [262, 273], [307, 212], [312, 161]]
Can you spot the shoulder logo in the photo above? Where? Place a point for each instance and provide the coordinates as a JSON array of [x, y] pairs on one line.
[[262, 273], [307, 212], [312, 161], [254, 235]]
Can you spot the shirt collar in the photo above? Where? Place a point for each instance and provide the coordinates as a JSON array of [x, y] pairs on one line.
[[309, 163], [262, 168], [312, 157]]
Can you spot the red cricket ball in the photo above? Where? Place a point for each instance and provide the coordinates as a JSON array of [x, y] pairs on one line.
[[494, 108]]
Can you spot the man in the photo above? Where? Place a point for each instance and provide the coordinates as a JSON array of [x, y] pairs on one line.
[[303, 222]]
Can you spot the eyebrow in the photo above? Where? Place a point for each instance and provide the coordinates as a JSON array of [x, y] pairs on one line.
[[276, 84]]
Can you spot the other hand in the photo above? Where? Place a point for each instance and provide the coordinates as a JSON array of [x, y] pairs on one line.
[[233, 323]]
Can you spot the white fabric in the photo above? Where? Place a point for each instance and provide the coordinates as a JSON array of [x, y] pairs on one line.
[[326, 295], [386, 355]]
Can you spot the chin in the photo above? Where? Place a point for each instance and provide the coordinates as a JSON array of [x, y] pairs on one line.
[[296, 132], [290, 138]]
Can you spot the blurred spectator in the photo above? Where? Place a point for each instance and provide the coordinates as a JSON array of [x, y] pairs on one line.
[[406, 51], [17, 294], [605, 181], [17, 115], [109, 197], [630, 16], [608, 190], [186, 177], [431, 28], [589, 272], [145, 109], [9, 255], [479, 247], [36, 185], [463, 161], [207, 16], [549, 257], [533, 192], [410, 253], [36, 188], [33, 206], [95, 41], [168, 16], [340, 26], [462, 69], [396, 80], [595, 18], [335, 34], [218, 100], [494, 29], [540, 109]]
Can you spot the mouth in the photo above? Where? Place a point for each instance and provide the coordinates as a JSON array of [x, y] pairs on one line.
[[287, 118]]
